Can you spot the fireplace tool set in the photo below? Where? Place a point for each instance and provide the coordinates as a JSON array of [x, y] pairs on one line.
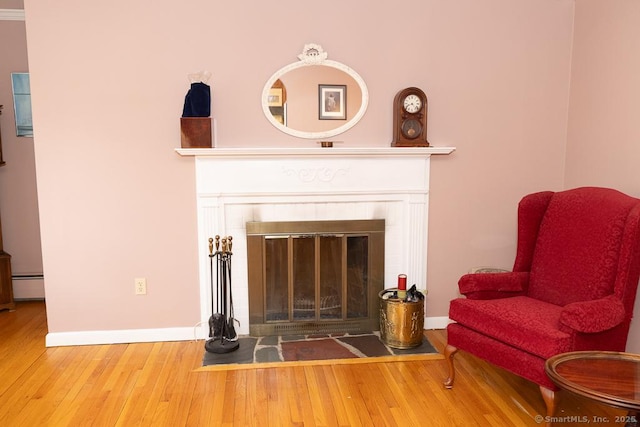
[[222, 333]]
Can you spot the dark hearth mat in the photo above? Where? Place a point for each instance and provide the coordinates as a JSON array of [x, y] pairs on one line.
[[244, 354], [290, 348]]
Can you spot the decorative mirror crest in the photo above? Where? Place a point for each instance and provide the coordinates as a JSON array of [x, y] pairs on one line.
[[312, 54], [298, 109]]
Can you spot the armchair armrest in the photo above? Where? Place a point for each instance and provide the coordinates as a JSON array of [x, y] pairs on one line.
[[475, 270], [493, 285], [593, 316]]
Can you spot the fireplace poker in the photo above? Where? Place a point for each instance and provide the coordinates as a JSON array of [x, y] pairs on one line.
[[223, 287], [215, 329], [232, 335]]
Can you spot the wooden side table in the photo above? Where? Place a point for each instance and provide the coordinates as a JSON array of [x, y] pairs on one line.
[[6, 284], [2, 162], [608, 377]]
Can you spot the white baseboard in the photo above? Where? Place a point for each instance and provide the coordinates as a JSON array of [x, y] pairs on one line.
[[436, 322], [11, 14], [60, 339], [28, 287]]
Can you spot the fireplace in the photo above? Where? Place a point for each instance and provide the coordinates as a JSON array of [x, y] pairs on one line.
[[314, 276], [236, 186]]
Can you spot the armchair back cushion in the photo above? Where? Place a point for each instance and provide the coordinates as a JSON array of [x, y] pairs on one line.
[[580, 249]]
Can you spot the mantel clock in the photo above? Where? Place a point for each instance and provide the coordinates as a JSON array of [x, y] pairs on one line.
[[410, 118]]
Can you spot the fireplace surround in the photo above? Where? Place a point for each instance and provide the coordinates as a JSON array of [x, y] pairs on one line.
[[235, 186]]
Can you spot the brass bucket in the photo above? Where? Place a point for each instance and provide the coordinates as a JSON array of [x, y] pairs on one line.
[[401, 323]]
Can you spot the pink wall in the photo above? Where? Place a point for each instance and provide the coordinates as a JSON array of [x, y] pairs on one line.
[[108, 82], [603, 142], [18, 195]]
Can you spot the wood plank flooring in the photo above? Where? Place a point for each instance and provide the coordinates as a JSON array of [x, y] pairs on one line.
[[159, 384]]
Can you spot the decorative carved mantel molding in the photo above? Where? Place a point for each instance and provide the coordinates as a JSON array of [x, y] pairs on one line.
[[322, 174]]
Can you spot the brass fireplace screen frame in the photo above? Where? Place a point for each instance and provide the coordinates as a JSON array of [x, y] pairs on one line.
[[257, 235]]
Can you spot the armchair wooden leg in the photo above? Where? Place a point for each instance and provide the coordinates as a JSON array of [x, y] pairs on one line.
[[449, 352], [549, 397]]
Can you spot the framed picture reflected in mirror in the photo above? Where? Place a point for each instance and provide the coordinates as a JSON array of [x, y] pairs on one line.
[[332, 102]]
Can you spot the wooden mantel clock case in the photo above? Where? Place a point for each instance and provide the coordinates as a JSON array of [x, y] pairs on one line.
[[6, 285], [410, 118]]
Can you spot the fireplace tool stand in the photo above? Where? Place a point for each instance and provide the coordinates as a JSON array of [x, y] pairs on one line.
[[222, 333]]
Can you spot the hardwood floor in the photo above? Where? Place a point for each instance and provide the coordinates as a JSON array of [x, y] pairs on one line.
[[159, 384]]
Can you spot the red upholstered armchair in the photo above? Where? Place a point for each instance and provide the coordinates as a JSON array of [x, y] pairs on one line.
[[572, 287]]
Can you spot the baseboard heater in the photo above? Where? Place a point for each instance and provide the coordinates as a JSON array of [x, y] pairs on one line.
[[28, 286]]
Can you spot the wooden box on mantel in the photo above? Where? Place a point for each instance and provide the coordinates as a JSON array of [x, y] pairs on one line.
[[195, 132]]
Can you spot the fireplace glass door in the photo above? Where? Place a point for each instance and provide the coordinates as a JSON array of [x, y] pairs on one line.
[[325, 280]]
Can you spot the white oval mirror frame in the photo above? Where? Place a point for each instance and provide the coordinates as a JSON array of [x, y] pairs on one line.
[[314, 55]]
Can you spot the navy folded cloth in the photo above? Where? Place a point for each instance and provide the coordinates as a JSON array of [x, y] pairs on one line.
[[197, 103]]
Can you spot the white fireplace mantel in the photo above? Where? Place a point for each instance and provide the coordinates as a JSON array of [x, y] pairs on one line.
[[238, 185]]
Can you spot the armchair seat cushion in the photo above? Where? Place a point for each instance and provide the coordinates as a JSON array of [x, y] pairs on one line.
[[522, 322]]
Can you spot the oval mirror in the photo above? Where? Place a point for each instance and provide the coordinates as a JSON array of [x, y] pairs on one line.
[[315, 97]]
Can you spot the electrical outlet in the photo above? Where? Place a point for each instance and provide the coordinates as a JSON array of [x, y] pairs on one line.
[[140, 285]]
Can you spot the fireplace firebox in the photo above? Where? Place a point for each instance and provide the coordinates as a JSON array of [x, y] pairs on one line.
[[314, 276]]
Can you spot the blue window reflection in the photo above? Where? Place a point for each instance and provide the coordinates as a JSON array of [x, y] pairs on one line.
[[22, 103]]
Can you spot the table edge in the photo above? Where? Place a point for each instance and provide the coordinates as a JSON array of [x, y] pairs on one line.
[[605, 398]]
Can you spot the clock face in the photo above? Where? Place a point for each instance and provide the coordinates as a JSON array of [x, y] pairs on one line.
[[411, 128], [412, 103]]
